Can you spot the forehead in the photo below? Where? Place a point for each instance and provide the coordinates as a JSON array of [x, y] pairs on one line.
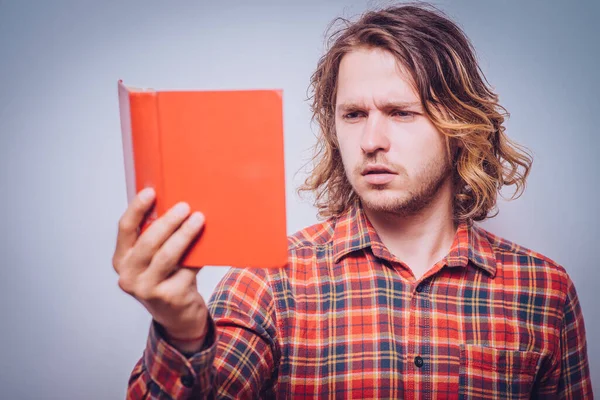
[[372, 75]]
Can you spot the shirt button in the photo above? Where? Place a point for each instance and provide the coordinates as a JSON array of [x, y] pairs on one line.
[[419, 361], [187, 381], [420, 287]]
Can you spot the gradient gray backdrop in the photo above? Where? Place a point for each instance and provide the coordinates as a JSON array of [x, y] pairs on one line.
[[67, 331]]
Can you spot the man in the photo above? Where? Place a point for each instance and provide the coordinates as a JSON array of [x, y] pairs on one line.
[[398, 294]]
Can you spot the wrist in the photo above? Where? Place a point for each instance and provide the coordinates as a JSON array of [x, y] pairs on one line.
[[186, 342], [188, 339], [189, 330]]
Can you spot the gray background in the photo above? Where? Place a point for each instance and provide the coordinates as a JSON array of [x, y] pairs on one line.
[[67, 331]]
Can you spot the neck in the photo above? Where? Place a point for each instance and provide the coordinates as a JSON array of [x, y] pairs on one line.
[[422, 239]]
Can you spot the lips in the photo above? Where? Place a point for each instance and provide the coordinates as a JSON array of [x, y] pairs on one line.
[[378, 174], [376, 169]]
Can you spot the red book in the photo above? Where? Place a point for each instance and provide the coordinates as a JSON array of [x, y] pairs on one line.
[[222, 153]]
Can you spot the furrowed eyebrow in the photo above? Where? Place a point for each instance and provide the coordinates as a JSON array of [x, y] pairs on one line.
[[350, 106], [344, 107], [403, 105]]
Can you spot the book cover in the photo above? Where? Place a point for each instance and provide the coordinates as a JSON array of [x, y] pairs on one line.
[[222, 153]]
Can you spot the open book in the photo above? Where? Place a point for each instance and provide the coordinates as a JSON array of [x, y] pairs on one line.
[[222, 153]]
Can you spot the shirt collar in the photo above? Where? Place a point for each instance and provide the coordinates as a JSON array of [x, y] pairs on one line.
[[353, 231]]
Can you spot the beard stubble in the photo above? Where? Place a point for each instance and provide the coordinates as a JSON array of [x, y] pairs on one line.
[[432, 177]]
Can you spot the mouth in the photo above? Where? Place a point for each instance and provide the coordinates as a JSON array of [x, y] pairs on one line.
[[376, 170], [378, 174]]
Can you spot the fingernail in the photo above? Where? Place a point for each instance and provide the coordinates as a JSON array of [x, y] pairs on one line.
[[196, 219], [146, 194], [181, 209]]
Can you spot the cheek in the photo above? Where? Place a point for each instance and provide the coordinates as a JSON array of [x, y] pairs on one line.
[[349, 159], [349, 150], [414, 150]]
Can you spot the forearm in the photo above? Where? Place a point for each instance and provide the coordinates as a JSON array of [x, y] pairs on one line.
[[242, 326]]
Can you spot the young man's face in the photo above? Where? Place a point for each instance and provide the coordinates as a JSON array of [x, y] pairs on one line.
[[394, 157]]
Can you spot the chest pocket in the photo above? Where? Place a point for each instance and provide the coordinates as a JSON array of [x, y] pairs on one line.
[[489, 373]]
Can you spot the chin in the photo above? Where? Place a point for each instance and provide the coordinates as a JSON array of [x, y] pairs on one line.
[[383, 200]]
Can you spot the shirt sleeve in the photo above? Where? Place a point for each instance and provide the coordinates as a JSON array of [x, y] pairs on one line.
[[574, 381], [568, 374], [240, 356]]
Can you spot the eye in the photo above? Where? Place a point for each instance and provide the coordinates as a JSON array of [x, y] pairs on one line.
[[353, 115], [403, 114]]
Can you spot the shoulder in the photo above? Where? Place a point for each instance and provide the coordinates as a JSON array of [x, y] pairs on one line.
[[513, 256], [306, 247]]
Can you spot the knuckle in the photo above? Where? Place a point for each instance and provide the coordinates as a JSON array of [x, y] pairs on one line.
[[125, 284], [146, 293], [125, 224]]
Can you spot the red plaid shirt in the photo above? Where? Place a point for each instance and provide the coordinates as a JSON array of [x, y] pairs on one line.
[[347, 319]]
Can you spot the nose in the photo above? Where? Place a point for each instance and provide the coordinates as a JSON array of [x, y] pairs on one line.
[[375, 136]]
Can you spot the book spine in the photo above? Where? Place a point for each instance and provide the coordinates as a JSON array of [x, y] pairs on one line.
[[125, 115], [145, 143]]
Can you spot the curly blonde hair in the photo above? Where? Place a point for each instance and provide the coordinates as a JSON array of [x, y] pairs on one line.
[[454, 94]]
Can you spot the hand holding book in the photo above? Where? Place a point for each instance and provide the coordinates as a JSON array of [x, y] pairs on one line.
[[218, 152], [148, 270]]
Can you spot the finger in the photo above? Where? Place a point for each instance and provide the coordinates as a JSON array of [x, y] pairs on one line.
[[167, 257], [157, 233], [131, 220]]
